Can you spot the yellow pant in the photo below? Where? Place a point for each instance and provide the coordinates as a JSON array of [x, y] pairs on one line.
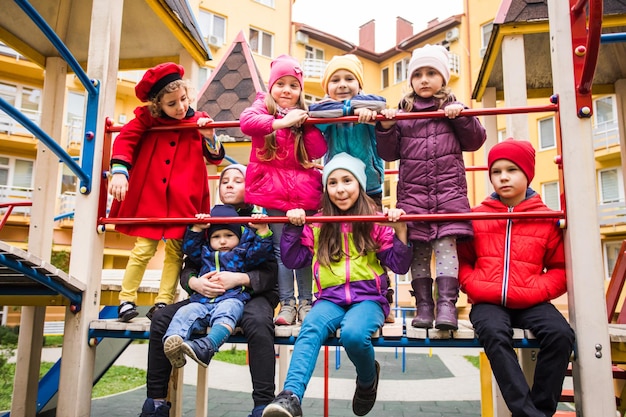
[[141, 254]]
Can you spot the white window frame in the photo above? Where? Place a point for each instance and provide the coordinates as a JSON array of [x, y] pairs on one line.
[[605, 129], [400, 69], [547, 189], [268, 3], [262, 38], [384, 78], [75, 122], [610, 252], [485, 34], [501, 135], [10, 168], [620, 186], [209, 27], [7, 123], [541, 137]]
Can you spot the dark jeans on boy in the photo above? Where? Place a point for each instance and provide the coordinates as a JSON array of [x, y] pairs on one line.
[[258, 327], [493, 325]]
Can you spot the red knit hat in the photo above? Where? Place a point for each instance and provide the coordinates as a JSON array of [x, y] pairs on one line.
[[284, 65], [155, 79], [520, 152]]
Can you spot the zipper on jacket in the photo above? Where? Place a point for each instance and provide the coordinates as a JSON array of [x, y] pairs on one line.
[[347, 252], [507, 258]]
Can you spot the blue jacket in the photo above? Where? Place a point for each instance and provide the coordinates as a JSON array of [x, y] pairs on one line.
[[356, 139], [252, 251]]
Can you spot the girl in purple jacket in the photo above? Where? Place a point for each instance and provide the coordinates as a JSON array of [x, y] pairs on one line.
[[432, 179], [348, 261], [281, 175]]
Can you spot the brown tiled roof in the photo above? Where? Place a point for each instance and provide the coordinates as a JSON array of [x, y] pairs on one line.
[[231, 88]]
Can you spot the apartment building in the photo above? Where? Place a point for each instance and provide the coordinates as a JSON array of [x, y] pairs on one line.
[[473, 39]]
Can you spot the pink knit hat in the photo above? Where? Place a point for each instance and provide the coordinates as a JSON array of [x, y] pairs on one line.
[[520, 152], [285, 65]]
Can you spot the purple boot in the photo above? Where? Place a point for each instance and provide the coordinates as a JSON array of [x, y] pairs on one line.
[[424, 304], [448, 292]]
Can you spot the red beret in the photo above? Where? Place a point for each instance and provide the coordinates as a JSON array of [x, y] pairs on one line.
[[156, 78], [520, 152]]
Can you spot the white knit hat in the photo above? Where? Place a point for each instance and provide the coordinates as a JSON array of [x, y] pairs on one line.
[[435, 56], [349, 163]]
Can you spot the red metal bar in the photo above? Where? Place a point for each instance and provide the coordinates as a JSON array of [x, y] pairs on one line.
[[350, 119], [9, 207], [593, 46], [326, 378], [333, 219]]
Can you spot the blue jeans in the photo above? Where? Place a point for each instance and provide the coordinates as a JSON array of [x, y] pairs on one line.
[[196, 317], [358, 322], [304, 276]]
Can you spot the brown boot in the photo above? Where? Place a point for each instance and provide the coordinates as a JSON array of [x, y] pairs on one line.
[[424, 304], [448, 292]]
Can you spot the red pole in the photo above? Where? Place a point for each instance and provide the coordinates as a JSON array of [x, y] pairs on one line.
[[325, 381]]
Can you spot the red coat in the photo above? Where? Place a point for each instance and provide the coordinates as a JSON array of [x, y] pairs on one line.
[[168, 176], [515, 263]]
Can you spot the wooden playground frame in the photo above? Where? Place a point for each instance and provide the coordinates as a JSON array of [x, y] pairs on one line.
[[570, 29]]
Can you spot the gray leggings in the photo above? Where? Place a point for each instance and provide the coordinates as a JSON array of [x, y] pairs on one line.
[[446, 259]]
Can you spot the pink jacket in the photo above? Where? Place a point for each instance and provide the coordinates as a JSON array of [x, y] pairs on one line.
[[281, 184]]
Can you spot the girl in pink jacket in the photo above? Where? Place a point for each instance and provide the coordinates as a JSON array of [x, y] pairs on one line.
[[281, 174]]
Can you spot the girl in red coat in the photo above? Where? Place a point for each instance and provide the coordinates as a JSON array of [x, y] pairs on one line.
[[510, 273], [160, 174]]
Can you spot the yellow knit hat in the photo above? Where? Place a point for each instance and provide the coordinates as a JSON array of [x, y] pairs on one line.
[[347, 62]]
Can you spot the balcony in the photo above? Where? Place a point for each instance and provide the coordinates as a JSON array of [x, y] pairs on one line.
[[606, 135], [11, 127], [612, 214], [314, 68], [9, 194]]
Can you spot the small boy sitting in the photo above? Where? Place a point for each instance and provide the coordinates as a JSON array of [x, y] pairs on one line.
[[511, 272], [217, 247]]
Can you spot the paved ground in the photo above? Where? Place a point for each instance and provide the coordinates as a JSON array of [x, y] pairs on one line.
[[440, 383]]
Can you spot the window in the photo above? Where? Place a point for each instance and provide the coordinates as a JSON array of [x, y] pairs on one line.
[[611, 252], [401, 68], [547, 135], [310, 98], [74, 117], [203, 75], [314, 63], [611, 186], [551, 195], [213, 28], [16, 173], [23, 98], [384, 78], [268, 3], [605, 129], [501, 135], [261, 42], [485, 32]]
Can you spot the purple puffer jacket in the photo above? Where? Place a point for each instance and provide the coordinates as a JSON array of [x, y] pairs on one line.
[[432, 173], [282, 183]]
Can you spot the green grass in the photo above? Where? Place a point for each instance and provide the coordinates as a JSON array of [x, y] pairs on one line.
[[117, 379], [473, 360]]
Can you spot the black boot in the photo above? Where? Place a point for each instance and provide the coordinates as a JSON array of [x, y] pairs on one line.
[[424, 304], [448, 293]]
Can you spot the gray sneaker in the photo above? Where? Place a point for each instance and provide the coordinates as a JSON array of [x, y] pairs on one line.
[[172, 349], [287, 314], [286, 404], [303, 309]]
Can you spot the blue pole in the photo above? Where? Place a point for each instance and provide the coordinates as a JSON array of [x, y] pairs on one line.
[[613, 37], [47, 140], [57, 43]]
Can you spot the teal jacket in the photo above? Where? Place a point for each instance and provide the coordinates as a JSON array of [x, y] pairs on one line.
[[356, 139]]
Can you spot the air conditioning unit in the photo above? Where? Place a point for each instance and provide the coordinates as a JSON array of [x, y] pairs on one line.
[[452, 35], [302, 38], [214, 41]]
